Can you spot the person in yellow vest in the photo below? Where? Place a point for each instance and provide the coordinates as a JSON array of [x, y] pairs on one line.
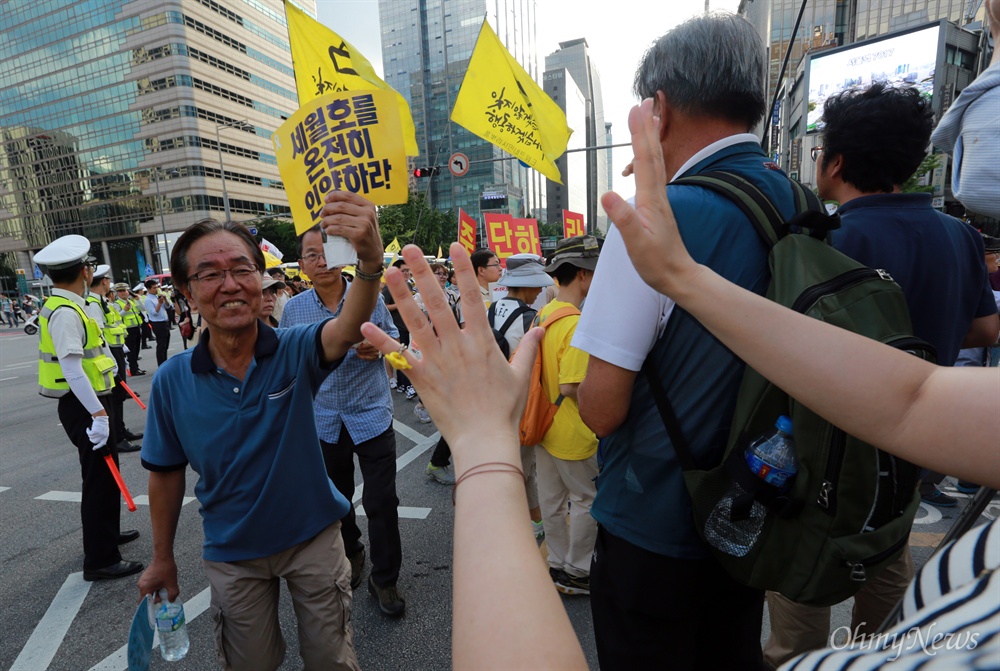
[[129, 311], [74, 368], [114, 335]]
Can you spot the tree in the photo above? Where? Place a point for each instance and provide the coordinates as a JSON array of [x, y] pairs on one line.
[[915, 183], [280, 233], [414, 222]]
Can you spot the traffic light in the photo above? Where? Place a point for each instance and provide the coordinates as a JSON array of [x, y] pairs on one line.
[[428, 171]]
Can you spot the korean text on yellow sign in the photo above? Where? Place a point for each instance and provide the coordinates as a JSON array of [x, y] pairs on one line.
[[573, 224], [466, 231], [502, 104], [347, 141]]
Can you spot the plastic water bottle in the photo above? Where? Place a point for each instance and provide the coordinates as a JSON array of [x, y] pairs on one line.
[[172, 628], [771, 458]]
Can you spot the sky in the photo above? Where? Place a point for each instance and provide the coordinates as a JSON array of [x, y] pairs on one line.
[[617, 32]]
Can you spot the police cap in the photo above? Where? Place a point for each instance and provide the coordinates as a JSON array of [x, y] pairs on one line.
[[66, 252]]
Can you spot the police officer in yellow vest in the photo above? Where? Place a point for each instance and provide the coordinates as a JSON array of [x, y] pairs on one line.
[[114, 332], [128, 308], [74, 368]]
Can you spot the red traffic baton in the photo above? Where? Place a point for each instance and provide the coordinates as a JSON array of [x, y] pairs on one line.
[[132, 394], [116, 474]]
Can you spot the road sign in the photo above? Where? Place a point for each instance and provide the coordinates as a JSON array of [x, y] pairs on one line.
[[253, 230], [149, 270], [458, 164], [38, 272]]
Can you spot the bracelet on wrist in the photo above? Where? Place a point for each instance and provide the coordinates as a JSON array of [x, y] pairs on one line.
[[488, 467], [367, 277]]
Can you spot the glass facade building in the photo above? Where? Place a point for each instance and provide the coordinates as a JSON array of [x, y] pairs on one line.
[[426, 47], [574, 56], [573, 166], [118, 118]]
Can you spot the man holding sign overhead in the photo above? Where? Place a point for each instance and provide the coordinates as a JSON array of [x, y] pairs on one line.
[[246, 394]]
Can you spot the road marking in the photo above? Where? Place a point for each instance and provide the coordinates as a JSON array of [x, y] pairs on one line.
[[3, 489], [411, 434], [4, 379], [19, 365], [76, 497], [51, 630], [118, 660], [404, 512]]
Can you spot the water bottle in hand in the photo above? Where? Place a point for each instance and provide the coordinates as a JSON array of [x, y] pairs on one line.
[[771, 458], [172, 628]]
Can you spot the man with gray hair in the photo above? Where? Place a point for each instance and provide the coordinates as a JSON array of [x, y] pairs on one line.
[[656, 592]]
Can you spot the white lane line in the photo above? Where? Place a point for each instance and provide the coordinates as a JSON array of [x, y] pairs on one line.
[[3, 489], [404, 512], [411, 434], [74, 497], [4, 379], [19, 365], [118, 660], [423, 443], [51, 630]]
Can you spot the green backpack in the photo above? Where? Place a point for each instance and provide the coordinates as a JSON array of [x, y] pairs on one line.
[[849, 508]]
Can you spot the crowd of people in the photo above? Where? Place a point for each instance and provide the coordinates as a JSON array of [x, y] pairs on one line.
[[294, 383]]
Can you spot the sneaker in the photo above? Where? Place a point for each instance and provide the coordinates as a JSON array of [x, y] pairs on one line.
[[357, 567], [939, 499], [967, 487], [420, 411], [555, 574], [442, 474], [392, 383], [573, 585], [390, 601], [400, 388], [411, 393], [538, 529]]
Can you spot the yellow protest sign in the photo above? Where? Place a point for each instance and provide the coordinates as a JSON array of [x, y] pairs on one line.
[[502, 104], [348, 141], [324, 62]]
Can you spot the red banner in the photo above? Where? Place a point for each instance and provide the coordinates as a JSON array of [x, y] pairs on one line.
[[467, 231], [525, 236], [573, 224], [498, 235]]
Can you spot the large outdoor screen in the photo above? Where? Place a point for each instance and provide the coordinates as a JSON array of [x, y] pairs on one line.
[[908, 58]]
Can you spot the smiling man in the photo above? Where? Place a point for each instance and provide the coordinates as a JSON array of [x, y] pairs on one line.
[[239, 409]]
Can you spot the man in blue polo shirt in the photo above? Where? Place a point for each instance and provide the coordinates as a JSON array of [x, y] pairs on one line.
[[873, 140], [354, 417], [239, 409], [656, 592]]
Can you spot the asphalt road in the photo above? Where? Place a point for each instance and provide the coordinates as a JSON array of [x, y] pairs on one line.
[[51, 619]]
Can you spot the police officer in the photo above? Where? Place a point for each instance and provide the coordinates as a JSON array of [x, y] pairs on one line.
[[130, 318], [114, 335], [74, 368]]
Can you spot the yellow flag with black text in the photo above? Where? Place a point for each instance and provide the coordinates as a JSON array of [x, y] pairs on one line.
[[393, 247], [324, 63], [502, 104]]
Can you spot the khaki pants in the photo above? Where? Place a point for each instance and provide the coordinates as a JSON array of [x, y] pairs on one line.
[[560, 481], [245, 606], [796, 628]]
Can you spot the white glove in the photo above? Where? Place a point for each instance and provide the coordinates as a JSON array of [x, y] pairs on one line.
[[99, 431], [125, 348]]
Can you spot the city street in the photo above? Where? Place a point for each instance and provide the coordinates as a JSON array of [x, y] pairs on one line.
[[52, 619]]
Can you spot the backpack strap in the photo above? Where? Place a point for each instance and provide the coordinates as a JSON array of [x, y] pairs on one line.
[[548, 321], [669, 417], [521, 309]]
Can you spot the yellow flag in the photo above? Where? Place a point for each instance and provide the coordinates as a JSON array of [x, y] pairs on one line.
[[270, 260], [324, 63], [502, 104], [439, 253], [393, 247]]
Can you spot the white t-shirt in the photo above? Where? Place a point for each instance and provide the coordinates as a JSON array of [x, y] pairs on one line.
[[623, 316], [504, 310]]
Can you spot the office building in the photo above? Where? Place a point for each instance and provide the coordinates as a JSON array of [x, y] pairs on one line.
[[126, 121], [573, 166], [426, 47], [574, 57]]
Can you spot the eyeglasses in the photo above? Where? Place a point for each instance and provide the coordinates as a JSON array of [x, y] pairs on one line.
[[314, 257], [441, 274], [213, 278], [492, 265], [815, 152]]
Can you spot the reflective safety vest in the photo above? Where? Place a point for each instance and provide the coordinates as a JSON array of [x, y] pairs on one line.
[[97, 366], [114, 328], [130, 315]]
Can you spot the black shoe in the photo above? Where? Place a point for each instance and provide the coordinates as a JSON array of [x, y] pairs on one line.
[[119, 570], [390, 601], [357, 567], [146, 347], [125, 446], [939, 499], [133, 436], [138, 372], [127, 536]]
